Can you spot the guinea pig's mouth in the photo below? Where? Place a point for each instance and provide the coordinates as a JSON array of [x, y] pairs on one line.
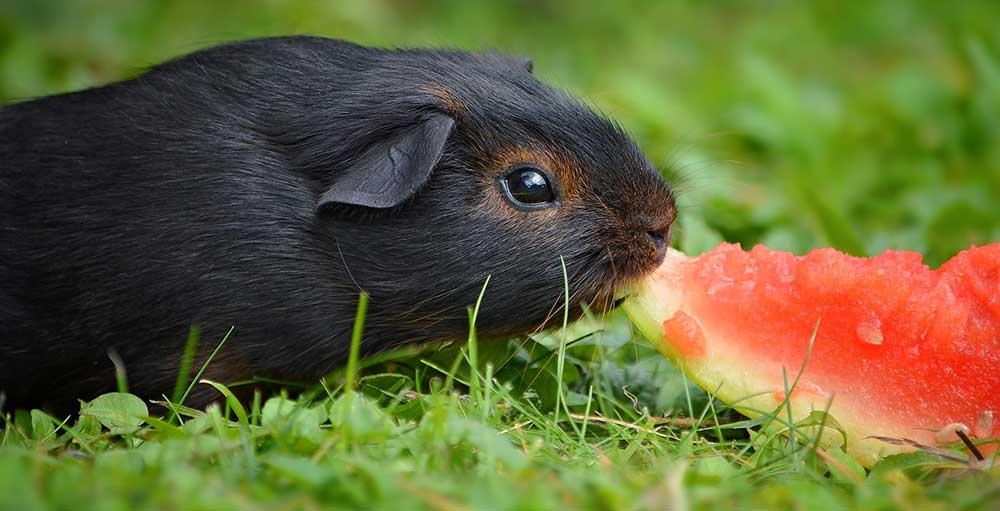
[[607, 284], [618, 274]]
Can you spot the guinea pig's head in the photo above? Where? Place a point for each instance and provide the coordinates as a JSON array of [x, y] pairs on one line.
[[478, 170]]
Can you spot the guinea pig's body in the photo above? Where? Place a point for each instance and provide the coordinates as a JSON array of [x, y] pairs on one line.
[[262, 185]]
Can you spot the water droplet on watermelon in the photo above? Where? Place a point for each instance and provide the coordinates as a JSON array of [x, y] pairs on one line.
[[869, 332], [984, 424], [947, 435], [719, 284], [803, 389]]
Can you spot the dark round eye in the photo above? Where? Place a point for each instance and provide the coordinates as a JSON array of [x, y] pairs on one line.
[[528, 186]]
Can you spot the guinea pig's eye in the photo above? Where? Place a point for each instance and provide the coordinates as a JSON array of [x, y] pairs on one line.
[[528, 187]]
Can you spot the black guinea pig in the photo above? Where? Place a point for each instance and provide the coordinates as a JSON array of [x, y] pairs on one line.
[[263, 184]]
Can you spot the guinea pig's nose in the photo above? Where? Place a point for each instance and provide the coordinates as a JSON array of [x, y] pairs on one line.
[[660, 238]]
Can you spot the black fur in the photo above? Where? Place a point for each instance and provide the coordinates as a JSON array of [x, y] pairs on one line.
[[192, 195]]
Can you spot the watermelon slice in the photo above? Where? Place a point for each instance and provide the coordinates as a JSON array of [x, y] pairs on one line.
[[899, 351]]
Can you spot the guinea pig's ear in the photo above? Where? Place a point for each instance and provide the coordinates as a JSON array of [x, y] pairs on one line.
[[390, 171], [525, 63]]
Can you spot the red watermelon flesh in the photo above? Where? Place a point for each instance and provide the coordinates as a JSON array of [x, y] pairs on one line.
[[900, 350]]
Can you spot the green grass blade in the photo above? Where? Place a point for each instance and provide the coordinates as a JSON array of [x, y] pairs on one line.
[[121, 379], [187, 360], [231, 401], [356, 334], [175, 406], [473, 345]]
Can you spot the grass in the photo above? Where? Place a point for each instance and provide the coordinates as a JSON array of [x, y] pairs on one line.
[[862, 126]]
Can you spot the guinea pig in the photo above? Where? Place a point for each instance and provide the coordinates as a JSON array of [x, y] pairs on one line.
[[262, 185]]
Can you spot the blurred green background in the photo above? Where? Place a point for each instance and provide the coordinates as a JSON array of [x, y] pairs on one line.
[[861, 125]]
